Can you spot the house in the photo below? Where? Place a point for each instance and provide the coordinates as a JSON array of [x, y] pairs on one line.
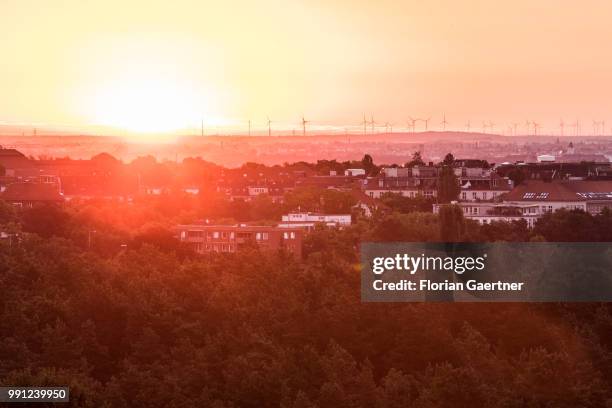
[[484, 189], [231, 238], [429, 190], [13, 162], [308, 221], [407, 181], [366, 205], [29, 194], [488, 212], [558, 170], [326, 182], [354, 172], [532, 199], [546, 158], [586, 195]]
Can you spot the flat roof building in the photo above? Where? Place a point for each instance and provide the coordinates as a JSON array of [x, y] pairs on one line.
[[231, 238]]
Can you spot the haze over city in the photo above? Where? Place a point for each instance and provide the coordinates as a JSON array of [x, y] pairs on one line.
[[146, 69]]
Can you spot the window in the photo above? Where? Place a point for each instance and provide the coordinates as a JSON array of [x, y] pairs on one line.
[[285, 235], [474, 195], [543, 195], [484, 195], [464, 195], [216, 234], [292, 235], [529, 195], [194, 234]]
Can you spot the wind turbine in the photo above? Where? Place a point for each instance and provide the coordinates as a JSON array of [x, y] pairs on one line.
[[372, 123], [365, 125], [426, 123], [444, 123], [528, 126], [514, 127], [388, 127], [575, 126], [536, 127], [412, 124], [249, 127], [269, 126], [561, 126], [304, 122], [599, 128], [484, 127], [468, 125]]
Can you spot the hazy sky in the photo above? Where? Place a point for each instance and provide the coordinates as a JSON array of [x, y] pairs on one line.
[[159, 65]]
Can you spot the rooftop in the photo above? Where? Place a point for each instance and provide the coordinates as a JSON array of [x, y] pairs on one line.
[[31, 192], [577, 190]]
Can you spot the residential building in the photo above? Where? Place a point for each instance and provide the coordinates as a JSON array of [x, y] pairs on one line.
[[29, 194], [354, 172], [532, 199], [488, 212], [308, 221], [589, 196], [231, 238]]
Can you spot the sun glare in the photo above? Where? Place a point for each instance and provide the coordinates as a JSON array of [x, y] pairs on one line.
[[148, 105]]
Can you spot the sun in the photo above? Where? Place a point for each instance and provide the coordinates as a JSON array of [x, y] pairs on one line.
[[147, 104]]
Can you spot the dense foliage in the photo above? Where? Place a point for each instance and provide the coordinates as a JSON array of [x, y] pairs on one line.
[[152, 325]]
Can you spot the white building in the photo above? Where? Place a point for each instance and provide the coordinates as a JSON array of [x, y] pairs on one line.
[[546, 158], [486, 213], [354, 172], [308, 221]]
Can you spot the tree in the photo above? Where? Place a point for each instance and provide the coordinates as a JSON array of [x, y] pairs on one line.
[[517, 175], [368, 163], [448, 185], [417, 160], [45, 220], [452, 223], [570, 226], [7, 213], [405, 205], [449, 159]]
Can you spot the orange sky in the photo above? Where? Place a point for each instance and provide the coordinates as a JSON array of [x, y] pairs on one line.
[[163, 65]]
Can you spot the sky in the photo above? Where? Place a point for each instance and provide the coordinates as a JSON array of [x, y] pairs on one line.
[[162, 66]]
